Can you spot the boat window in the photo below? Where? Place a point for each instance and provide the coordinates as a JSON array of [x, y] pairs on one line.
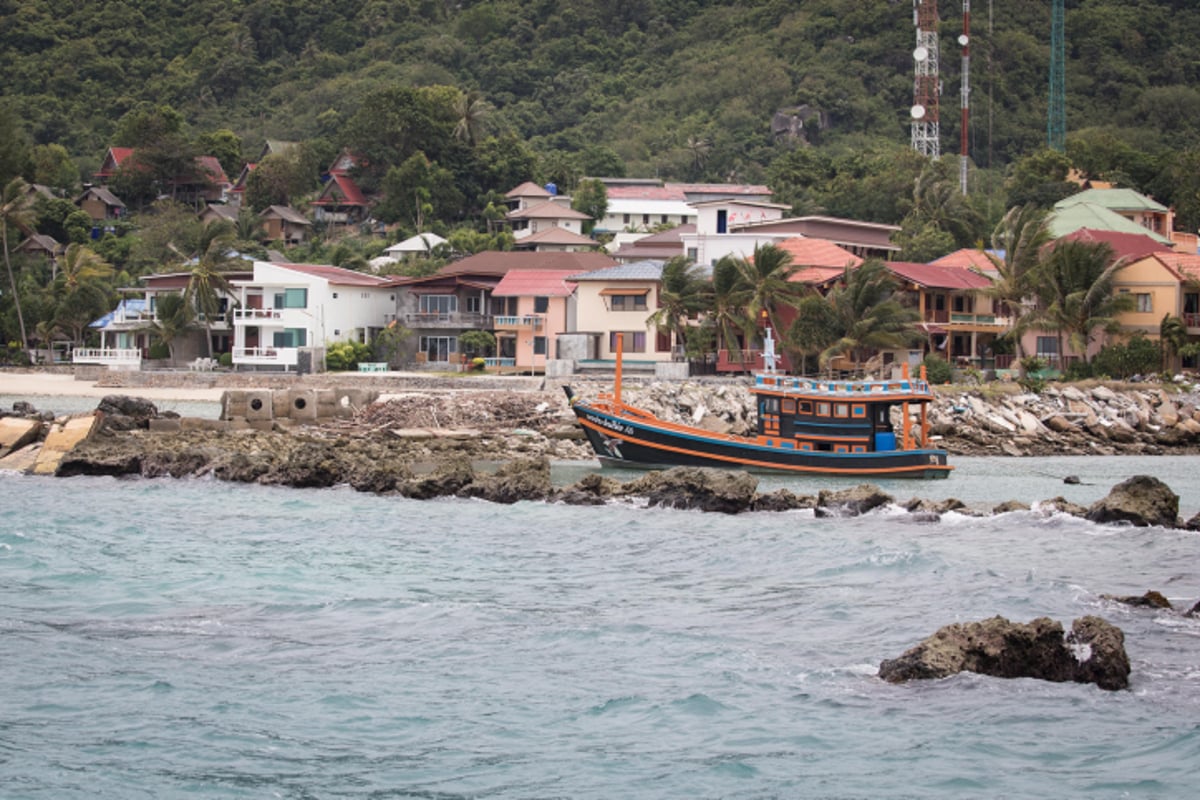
[[859, 410], [789, 405], [841, 410], [804, 407], [770, 405], [823, 409]]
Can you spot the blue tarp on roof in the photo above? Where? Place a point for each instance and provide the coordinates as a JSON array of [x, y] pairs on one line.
[[126, 308]]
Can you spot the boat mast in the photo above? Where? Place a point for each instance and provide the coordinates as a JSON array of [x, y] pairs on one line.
[[617, 377]]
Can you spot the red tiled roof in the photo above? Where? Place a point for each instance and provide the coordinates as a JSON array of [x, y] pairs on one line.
[[806, 252], [722, 188], [966, 258], [939, 277], [495, 262], [535, 283], [1124, 245], [351, 194], [1185, 265], [556, 235], [547, 209], [817, 275], [336, 275], [645, 193], [527, 189], [212, 166]]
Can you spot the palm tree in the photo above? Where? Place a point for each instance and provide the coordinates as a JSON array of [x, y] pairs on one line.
[[16, 210], [867, 314], [1173, 334], [172, 320], [727, 304], [1021, 236], [1077, 293], [682, 295], [208, 283], [472, 112], [813, 330], [79, 290], [765, 279]]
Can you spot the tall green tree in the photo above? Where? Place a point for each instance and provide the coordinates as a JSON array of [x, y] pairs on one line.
[[867, 314], [16, 215], [1076, 293], [81, 290], [766, 280], [173, 318], [590, 198], [472, 117], [1021, 237], [728, 302], [683, 294], [207, 283]]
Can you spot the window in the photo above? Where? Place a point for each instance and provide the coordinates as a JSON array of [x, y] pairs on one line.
[[633, 341], [438, 348], [804, 407], [770, 405], [290, 337], [722, 221], [335, 295], [662, 342], [789, 406], [541, 305], [627, 218], [663, 219], [438, 304], [645, 219], [1144, 302], [628, 302], [692, 253], [292, 298], [1047, 347], [539, 345], [473, 304], [823, 409]]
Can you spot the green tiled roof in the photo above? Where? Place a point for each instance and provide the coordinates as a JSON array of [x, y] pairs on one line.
[[1115, 199], [1071, 218]]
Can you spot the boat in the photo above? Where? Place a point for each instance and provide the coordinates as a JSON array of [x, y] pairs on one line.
[[804, 426]]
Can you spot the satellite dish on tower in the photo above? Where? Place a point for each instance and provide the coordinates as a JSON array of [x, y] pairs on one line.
[[962, 39], [917, 112], [921, 53]]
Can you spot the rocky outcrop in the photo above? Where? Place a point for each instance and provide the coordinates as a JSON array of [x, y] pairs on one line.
[[851, 502], [1142, 501], [1093, 652], [695, 488], [1150, 599]]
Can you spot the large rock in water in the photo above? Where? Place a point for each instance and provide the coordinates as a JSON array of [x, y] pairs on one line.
[[1094, 652], [851, 502], [124, 413], [696, 488], [1141, 500]]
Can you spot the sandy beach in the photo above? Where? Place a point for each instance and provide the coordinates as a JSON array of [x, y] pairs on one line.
[[45, 384]]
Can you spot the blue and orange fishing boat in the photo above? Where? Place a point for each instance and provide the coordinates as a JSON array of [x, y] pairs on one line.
[[804, 426]]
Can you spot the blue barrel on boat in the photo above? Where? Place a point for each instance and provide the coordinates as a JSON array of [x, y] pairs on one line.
[[885, 441]]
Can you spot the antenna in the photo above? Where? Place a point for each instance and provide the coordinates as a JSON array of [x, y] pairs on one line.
[[965, 40], [926, 84]]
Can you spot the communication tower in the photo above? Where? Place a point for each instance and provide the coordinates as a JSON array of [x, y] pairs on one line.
[[926, 83], [1056, 119], [964, 39]]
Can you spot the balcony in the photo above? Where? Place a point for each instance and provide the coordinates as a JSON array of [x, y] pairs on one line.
[[984, 321], [266, 356], [256, 316], [527, 322], [111, 357], [450, 320], [1192, 321]]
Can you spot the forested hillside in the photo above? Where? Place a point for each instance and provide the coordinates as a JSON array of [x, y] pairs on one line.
[[679, 89]]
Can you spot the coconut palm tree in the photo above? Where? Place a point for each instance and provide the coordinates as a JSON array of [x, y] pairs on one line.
[[207, 282], [16, 211], [173, 318], [79, 291], [867, 315], [726, 312], [1021, 236], [472, 111], [1172, 333], [1076, 293], [765, 279], [683, 294]]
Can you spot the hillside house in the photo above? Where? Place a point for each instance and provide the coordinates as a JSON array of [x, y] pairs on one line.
[[538, 307], [612, 300]]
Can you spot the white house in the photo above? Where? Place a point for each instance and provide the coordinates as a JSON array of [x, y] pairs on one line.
[[715, 236], [288, 312]]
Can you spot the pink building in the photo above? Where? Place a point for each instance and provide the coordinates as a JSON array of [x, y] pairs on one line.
[[535, 305]]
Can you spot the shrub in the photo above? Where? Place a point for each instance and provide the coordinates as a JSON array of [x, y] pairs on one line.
[[159, 350], [1078, 371], [1138, 356], [343, 356], [937, 369], [225, 359], [478, 364]]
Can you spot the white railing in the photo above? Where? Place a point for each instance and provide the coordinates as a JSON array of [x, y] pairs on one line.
[[273, 356], [253, 315], [111, 356], [527, 321]]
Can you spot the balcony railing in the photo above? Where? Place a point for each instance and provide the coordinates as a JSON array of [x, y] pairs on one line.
[[1191, 320], [109, 356], [990, 320], [446, 319], [531, 321], [268, 356], [253, 316]]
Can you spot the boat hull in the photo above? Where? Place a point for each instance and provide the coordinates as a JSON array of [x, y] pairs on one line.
[[644, 442]]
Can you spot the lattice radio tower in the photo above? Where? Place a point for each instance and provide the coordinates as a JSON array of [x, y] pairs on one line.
[[926, 83], [1056, 119]]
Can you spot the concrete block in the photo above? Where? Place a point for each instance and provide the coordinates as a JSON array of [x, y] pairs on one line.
[[302, 404], [233, 403], [261, 424], [62, 440], [282, 408], [671, 370], [204, 424], [15, 432], [260, 405]]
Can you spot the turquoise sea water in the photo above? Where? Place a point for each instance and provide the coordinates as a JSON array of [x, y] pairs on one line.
[[165, 638]]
